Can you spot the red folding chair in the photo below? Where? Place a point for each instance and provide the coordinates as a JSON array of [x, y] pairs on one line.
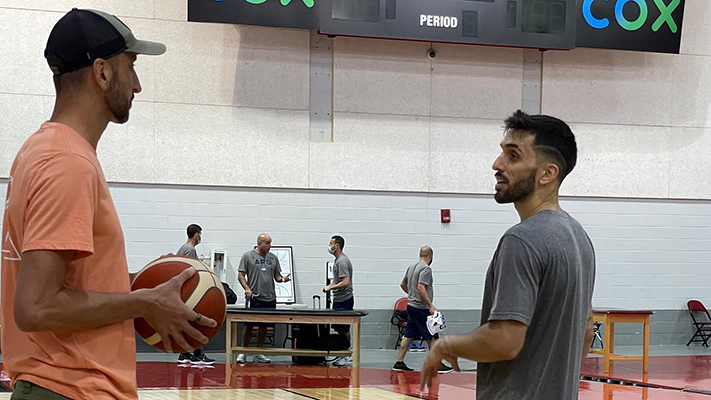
[[399, 319], [703, 328]]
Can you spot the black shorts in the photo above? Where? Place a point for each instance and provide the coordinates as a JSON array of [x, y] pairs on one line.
[[343, 305], [417, 324], [254, 303]]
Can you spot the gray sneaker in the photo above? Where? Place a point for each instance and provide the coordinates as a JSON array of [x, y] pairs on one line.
[[343, 362], [260, 359], [241, 359]]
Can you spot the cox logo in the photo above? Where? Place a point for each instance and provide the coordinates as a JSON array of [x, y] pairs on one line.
[[665, 17]]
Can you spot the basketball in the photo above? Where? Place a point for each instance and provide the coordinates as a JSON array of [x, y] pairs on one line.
[[203, 292]]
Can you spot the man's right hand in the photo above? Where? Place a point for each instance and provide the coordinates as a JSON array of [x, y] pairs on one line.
[[433, 309], [169, 315], [433, 361], [248, 294]]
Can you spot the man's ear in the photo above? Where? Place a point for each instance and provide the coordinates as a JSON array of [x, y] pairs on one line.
[[549, 174], [102, 73]]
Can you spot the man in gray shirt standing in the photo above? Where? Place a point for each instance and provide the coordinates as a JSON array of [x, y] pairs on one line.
[[258, 270], [417, 283], [342, 289], [536, 321], [188, 249]]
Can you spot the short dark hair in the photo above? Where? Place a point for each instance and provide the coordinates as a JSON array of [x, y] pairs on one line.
[[70, 81], [552, 138], [193, 229], [339, 241]]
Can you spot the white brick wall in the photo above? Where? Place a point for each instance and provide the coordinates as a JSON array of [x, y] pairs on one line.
[[650, 253]]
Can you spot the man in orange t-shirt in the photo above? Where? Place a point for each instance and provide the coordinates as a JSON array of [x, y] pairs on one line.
[[67, 308]]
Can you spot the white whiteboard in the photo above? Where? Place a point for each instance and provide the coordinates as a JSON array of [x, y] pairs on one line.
[[285, 291], [329, 272]]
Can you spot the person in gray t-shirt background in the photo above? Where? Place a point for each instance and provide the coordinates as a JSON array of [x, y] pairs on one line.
[[188, 249], [341, 289], [258, 270], [536, 320], [418, 284]]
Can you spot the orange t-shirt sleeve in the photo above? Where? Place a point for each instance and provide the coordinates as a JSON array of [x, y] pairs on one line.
[[62, 202]]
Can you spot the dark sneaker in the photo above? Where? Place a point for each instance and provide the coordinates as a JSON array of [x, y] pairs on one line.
[[401, 366], [203, 360], [443, 369], [185, 358]]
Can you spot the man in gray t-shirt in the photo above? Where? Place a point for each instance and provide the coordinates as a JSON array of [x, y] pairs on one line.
[[188, 249], [418, 274], [258, 270], [342, 270], [536, 323], [547, 288], [417, 283], [342, 289]]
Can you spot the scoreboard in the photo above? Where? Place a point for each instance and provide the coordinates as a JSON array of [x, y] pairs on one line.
[[523, 23], [642, 25]]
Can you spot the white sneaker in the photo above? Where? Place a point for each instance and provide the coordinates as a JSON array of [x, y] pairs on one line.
[[241, 359], [343, 362], [261, 359]]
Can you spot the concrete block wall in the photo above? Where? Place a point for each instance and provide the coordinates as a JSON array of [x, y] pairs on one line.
[[650, 254]]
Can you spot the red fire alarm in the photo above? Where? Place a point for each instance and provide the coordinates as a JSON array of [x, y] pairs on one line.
[[446, 218]]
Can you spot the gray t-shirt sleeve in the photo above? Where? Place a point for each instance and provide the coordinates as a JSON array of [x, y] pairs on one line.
[[243, 264], [425, 276], [344, 270], [188, 250], [516, 281]]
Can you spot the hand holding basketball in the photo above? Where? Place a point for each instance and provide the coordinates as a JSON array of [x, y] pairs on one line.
[[170, 316], [186, 304]]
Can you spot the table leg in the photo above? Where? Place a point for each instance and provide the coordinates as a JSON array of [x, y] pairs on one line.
[[355, 377], [608, 343], [228, 374], [645, 367], [356, 344], [612, 336], [228, 342]]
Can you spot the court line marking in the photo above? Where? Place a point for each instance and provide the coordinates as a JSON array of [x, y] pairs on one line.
[[300, 394]]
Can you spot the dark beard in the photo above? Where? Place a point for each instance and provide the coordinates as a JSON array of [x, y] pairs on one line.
[[517, 191], [117, 103]]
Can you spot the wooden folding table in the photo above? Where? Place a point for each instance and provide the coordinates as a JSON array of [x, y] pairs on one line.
[[609, 317]]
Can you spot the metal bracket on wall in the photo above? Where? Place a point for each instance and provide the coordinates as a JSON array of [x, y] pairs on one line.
[[532, 81], [321, 88]]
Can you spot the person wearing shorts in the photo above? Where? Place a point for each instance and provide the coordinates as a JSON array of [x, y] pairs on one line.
[[258, 270], [417, 283]]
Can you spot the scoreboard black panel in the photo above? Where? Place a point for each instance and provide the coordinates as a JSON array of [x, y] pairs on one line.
[[644, 25], [546, 24]]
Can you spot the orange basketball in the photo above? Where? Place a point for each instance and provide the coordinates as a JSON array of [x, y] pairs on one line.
[[203, 292]]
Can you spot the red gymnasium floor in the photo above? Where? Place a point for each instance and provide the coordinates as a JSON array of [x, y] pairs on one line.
[[672, 373], [671, 376]]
